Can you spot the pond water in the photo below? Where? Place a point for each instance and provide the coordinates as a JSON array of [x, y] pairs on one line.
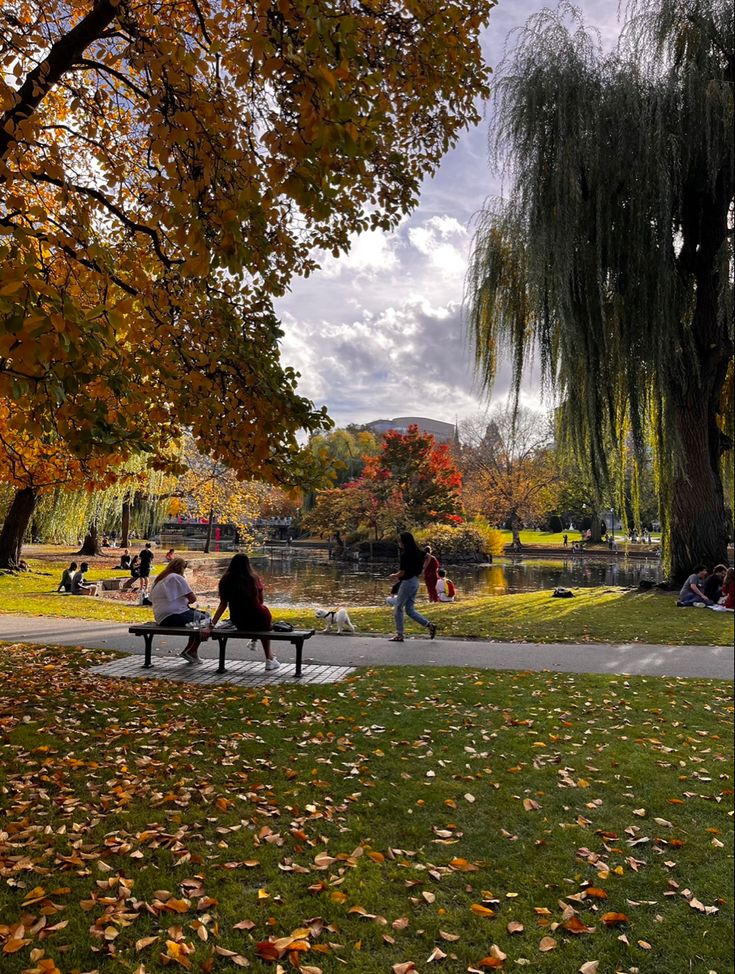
[[296, 579]]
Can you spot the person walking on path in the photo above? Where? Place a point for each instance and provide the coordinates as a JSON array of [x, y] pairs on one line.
[[242, 590], [431, 573], [146, 559], [172, 600], [411, 567]]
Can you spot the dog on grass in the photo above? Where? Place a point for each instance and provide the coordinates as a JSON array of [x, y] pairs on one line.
[[335, 617]]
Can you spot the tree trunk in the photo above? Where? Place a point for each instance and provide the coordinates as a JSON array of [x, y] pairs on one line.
[[695, 531], [91, 544], [208, 539], [125, 527], [696, 528], [16, 524], [515, 526], [596, 529]]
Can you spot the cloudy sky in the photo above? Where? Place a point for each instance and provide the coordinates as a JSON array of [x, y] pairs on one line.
[[379, 332]]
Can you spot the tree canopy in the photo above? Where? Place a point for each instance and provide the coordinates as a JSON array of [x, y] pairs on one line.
[[166, 168], [612, 253]]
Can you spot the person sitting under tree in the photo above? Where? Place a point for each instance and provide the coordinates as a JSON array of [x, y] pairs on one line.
[[80, 585], [692, 589], [67, 577]]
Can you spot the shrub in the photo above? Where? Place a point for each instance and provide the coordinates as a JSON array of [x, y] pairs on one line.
[[468, 542]]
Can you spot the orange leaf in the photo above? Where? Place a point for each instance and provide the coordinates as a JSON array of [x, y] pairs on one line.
[[614, 919]]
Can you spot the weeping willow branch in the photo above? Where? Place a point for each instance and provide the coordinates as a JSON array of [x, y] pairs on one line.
[[612, 255]]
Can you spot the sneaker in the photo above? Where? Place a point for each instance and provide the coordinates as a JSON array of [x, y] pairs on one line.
[[189, 656], [253, 645], [271, 664], [432, 630], [396, 639]]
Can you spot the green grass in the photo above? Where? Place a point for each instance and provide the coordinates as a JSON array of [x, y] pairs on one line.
[[217, 819], [556, 538], [593, 615]]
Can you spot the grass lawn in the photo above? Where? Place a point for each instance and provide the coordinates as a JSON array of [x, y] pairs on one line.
[[593, 615], [395, 818], [557, 538]]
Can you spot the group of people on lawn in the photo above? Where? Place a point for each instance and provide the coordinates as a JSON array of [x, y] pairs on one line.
[[715, 588]]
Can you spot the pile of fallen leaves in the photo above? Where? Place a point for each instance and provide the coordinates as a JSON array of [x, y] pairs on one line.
[[396, 822]]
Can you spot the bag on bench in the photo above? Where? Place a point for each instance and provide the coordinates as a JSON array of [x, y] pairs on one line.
[[280, 626]]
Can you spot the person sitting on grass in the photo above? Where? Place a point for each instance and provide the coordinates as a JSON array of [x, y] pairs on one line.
[[170, 554], [172, 599], [445, 587], [67, 577], [728, 589], [712, 588], [125, 560], [80, 585], [691, 591]]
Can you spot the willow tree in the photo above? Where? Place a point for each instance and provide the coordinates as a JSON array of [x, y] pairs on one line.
[[612, 253]]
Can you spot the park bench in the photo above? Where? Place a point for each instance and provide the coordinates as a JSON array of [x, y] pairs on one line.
[[149, 629]]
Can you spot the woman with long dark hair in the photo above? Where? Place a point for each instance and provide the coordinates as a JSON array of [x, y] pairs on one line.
[[242, 590], [410, 570]]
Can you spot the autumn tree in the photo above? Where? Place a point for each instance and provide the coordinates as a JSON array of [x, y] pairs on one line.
[[341, 453], [211, 490], [613, 251], [508, 467], [166, 169], [418, 474], [354, 508], [35, 465]]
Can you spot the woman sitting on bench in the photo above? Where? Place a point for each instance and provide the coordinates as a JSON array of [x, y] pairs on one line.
[[242, 590], [172, 598]]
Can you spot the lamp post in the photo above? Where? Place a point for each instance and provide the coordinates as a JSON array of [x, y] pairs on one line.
[[612, 522]]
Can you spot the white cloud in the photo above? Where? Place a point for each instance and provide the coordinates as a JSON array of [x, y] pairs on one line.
[[370, 254], [378, 331]]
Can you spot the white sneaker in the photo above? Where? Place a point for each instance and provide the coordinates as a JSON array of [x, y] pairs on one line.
[[190, 657], [271, 664]]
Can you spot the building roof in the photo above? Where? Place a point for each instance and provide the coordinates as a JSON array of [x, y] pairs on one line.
[[443, 432]]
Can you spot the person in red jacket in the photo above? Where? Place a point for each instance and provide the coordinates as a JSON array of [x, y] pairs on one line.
[[431, 573], [728, 589]]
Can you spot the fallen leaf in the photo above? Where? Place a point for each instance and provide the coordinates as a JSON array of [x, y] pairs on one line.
[[615, 919]]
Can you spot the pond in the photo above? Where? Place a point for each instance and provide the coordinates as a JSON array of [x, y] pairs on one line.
[[299, 579]]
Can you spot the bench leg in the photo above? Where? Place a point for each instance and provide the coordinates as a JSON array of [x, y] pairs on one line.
[[148, 638], [299, 644], [222, 640]]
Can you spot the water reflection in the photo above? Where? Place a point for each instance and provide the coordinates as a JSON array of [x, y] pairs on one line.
[[295, 579]]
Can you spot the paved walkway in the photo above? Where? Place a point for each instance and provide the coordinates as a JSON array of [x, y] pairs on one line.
[[239, 672], [714, 662]]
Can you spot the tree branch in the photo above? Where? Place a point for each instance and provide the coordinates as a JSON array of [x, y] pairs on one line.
[[90, 65], [60, 58], [95, 194]]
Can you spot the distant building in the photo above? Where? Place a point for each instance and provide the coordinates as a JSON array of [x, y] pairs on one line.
[[442, 432]]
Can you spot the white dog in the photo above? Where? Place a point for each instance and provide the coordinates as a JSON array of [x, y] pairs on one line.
[[338, 617]]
